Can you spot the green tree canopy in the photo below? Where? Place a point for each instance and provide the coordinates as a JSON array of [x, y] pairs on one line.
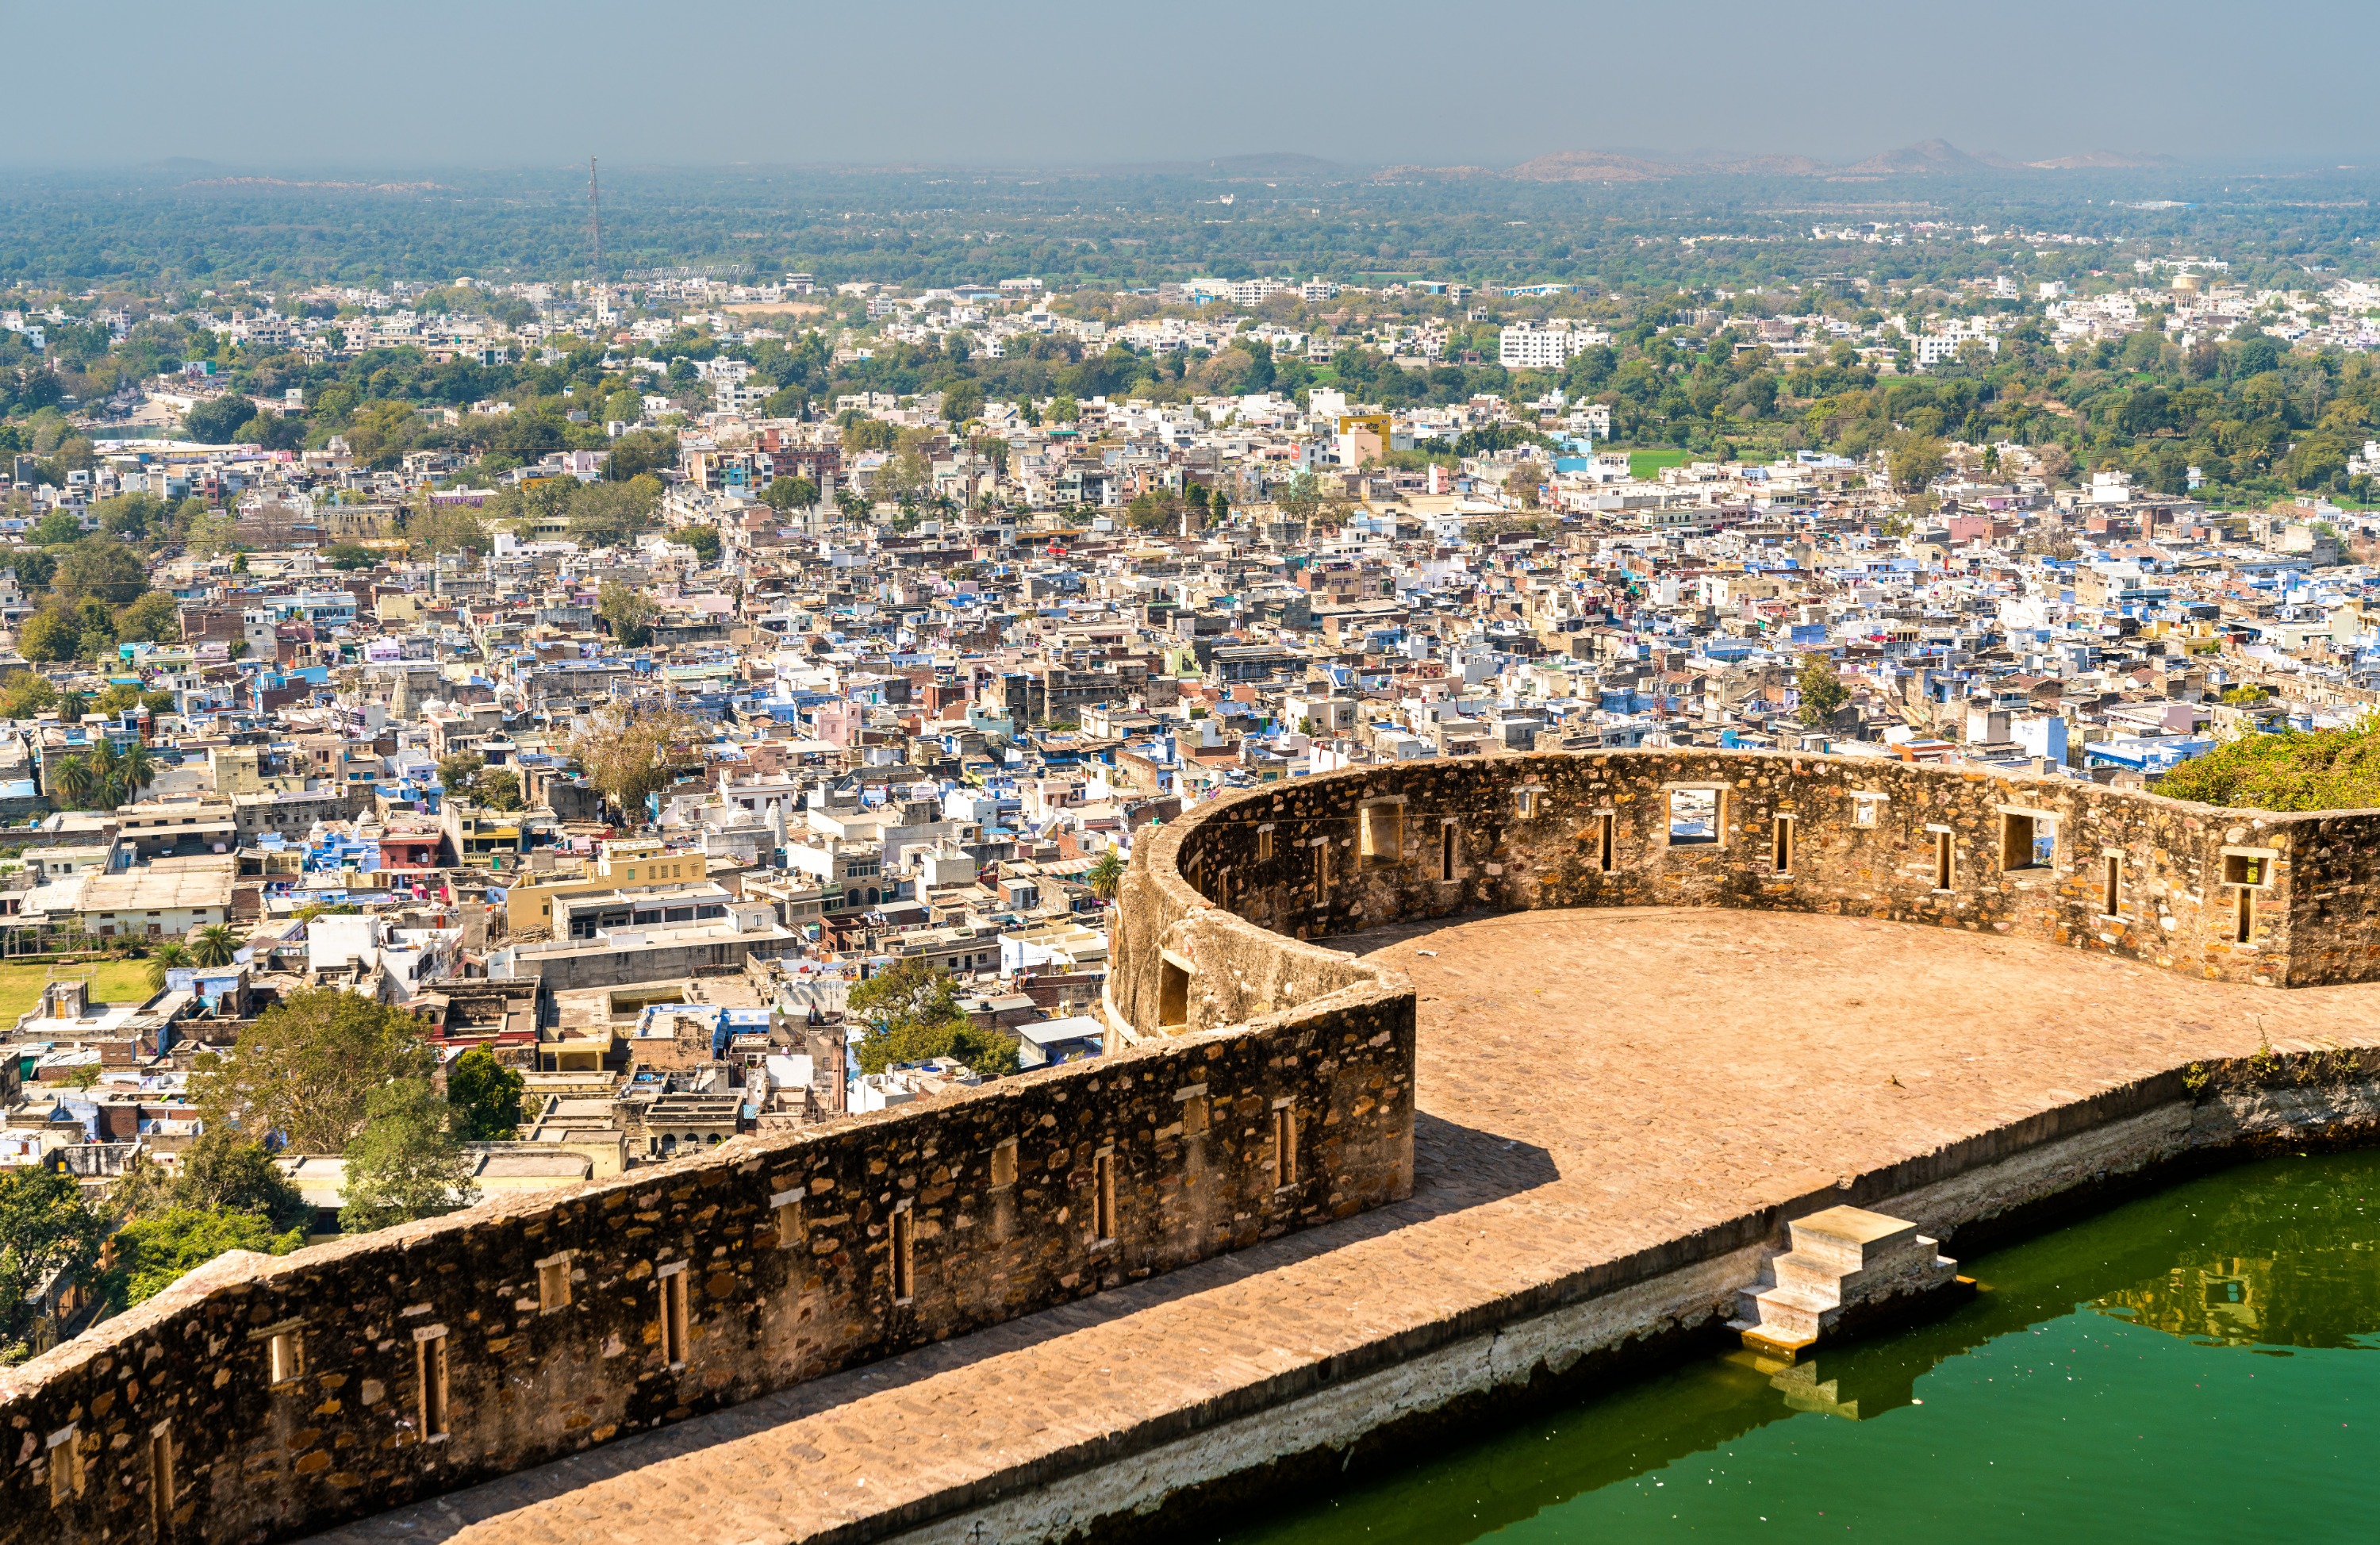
[[486, 1096], [150, 1254], [912, 1014], [406, 1161], [1822, 690], [46, 1226], [308, 1066], [224, 1171], [2299, 770]]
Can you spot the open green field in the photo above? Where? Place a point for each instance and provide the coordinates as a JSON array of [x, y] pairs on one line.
[[1648, 464], [112, 981]]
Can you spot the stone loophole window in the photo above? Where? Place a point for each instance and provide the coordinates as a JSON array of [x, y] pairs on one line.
[[1381, 829], [1781, 845], [1173, 992], [2246, 868], [2027, 841], [1003, 1162], [160, 1481], [1694, 816], [1607, 842], [429, 1373], [904, 1254], [1445, 841], [2112, 898], [66, 1465], [785, 1213], [1103, 1197], [1944, 870], [673, 1315], [285, 1356], [1264, 843], [553, 1284], [1865, 809], [1285, 1145]]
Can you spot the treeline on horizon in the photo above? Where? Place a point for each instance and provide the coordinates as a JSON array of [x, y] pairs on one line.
[[2256, 419], [170, 230]]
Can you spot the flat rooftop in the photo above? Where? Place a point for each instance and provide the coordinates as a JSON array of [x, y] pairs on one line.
[[1591, 1084]]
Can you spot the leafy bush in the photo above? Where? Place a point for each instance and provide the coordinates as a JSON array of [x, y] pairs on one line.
[[2302, 770]]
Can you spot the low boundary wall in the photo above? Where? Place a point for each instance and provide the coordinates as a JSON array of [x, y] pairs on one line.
[[2236, 896], [265, 1398]]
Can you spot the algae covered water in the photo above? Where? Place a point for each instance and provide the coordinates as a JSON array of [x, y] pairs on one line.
[[2201, 1364]]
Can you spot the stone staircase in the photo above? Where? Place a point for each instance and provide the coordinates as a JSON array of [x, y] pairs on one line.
[[1846, 1264]]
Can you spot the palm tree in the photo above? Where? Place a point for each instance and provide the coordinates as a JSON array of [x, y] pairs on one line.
[[137, 767], [106, 776], [171, 955], [214, 945], [1104, 876], [73, 781]]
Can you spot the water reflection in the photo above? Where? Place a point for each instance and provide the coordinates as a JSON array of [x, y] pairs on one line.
[[2291, 1259], [2049, 1360]]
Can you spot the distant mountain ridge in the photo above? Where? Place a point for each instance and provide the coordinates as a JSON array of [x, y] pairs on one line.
[[1928, 158]]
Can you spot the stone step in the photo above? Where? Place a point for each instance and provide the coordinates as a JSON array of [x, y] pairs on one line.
[[1852, 1237], [1769, 1346], [1794, 1312], [1841, 1259]]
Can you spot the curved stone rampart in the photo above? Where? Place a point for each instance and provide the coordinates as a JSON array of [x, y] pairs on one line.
[[2235, 895], [267, 1398]]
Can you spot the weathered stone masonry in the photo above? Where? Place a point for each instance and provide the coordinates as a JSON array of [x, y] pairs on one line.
[[274, 1397], [2236, 896]]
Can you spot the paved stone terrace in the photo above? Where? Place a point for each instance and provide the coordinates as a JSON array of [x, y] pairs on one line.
[[1591, 1083]]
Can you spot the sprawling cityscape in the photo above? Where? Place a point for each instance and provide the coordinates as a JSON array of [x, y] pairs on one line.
[[1261, 849]]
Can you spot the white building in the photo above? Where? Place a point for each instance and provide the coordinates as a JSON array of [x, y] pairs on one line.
[[1528, 345]]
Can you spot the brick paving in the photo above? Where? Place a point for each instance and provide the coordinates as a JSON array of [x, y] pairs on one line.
[[1591, 1083]]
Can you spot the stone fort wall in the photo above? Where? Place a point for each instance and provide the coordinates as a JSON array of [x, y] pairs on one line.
[[263, 1399], [2236, 896]]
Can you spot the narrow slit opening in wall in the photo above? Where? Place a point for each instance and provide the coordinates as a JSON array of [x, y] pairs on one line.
[[553, 1284], [65, 1465], [1382, 834], [430, 1368], [1104, 1195], [160, 1483], [1942, 871], [674, 1319], [1003, 1162], [1607, 842], [1781, 853], [1264, 843], [2246, 934], [1172, 993], [1285, 1146], [1322, 871], [905, 1256], [2112, 901], [1446, 852], [285, 1356], [1524, 800]]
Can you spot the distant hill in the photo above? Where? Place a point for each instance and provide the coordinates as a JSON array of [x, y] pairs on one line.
[[1932, 157], [2104, 161], [1594, 166], [1929, 158]]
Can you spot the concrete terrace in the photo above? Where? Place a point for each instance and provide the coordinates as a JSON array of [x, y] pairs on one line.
[[1592, 1085]]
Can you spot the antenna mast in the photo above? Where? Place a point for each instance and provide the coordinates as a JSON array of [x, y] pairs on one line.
[[595, 217]]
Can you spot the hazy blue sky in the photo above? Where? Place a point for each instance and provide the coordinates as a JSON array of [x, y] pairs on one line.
[[512, 82]]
